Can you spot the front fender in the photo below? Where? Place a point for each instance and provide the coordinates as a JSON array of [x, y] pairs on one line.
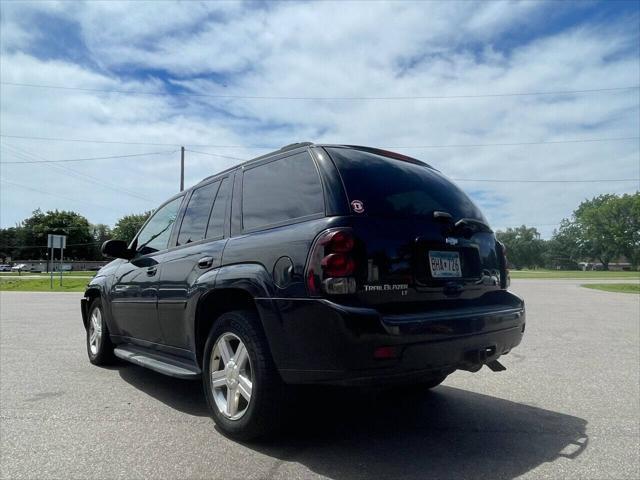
[[98, 288]]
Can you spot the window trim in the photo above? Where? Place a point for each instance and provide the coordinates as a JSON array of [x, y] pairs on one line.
[[290, 221], [226, 211], [183, 209]]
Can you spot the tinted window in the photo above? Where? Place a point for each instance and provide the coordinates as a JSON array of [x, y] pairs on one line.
[[395, 188], [216, 221], [196, 215], [282, 190], [155, 235]]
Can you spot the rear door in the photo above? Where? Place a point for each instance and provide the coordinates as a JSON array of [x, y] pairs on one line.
[[421, 238], [197, 249]]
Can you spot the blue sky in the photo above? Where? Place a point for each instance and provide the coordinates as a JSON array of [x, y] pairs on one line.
[[318, 49]]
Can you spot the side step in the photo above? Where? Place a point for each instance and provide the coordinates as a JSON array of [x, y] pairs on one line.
[[161, 363]]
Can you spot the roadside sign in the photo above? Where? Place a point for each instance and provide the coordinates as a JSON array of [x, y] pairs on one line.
[[56, 241], [53, 242]]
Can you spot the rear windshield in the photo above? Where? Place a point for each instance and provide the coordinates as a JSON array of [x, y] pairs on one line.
[[387, 187]]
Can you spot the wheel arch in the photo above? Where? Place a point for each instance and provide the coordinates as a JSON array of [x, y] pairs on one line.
[[92, 292], [212, 305]]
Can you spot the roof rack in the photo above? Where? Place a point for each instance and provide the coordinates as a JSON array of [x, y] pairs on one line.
[[291, 146]]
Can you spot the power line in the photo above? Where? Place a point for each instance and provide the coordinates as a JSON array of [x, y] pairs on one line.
[[544, 142], [86, 159], [216, 155], [39, 191], [536, 224], [25, 154], [81, 140], [487, 180], [269, 147], [241, 159], [347, 98], [504, 180]]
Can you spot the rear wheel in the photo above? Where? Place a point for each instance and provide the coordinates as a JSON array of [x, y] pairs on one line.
[[243, 389], [99, 346]]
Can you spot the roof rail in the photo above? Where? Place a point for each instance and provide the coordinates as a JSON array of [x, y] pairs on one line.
[[291, 146]]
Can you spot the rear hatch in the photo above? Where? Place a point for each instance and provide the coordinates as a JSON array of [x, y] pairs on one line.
[[421, 243]]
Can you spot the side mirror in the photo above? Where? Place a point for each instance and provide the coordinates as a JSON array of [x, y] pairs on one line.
[[117, 249]]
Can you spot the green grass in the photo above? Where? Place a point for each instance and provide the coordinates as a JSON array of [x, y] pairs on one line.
[[42, 285], [615, 287], [597, 275]]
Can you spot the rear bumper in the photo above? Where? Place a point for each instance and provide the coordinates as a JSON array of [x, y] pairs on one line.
[[318, 341]]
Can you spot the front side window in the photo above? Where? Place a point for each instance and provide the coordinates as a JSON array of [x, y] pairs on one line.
[[155, 234], [196, 215], [280, 191]]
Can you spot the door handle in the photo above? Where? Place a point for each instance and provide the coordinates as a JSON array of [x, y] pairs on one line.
[[151, 271], [205, 262]]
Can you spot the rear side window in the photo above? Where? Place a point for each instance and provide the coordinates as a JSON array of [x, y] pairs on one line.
[[280, 191], [387, 187], [196, 216], [216, 221]]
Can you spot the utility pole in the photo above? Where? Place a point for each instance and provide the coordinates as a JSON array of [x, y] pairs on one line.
[[181, 168]]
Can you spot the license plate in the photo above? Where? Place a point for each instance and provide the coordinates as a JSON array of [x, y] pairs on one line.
[[445, 264]]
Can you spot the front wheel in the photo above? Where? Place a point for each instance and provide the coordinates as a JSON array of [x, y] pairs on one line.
[[99, 346], [243, 389]]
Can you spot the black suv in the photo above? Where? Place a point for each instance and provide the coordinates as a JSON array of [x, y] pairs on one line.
[[314, 264]]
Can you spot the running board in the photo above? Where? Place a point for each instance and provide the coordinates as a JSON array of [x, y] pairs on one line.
[[161, 363]]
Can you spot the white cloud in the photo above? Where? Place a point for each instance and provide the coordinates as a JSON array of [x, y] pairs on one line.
[[323, 49]]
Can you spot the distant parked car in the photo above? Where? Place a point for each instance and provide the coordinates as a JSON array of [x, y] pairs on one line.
[[19, 268], [5, 268], [312, 264]]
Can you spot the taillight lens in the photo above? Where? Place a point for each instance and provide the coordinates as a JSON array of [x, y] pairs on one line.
[[331, 264], [338, 265], [340, 241]]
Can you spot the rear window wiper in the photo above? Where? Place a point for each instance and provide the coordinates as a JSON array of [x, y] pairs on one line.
[[472, 224], [462, 226]]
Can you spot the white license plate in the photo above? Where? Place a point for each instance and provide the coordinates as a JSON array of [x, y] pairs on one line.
[[445, 264]]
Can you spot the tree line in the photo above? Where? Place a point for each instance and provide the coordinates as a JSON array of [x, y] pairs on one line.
[[28, 239], [602, 229]]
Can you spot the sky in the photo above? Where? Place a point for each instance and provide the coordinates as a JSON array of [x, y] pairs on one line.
[[529, 91]]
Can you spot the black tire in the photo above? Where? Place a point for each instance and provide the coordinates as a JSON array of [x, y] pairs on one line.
[[103, 353], [263, 412]]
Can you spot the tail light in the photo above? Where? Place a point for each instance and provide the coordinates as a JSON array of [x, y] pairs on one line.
[[337, 265], [331, 266]]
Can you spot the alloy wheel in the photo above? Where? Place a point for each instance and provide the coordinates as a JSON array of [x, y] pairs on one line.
[[95, 331], [231, 376]]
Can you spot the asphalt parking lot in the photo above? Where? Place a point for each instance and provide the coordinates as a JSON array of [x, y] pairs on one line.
[[567, 407]]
